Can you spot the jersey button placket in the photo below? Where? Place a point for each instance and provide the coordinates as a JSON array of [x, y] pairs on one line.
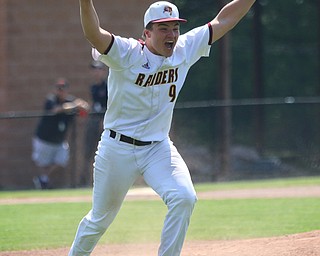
[[155, 99]]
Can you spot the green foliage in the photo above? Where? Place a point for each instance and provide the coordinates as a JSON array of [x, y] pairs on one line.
[[290, 58], [290, 41]]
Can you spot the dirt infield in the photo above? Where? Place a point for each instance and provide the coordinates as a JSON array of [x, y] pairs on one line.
[[305, 244]]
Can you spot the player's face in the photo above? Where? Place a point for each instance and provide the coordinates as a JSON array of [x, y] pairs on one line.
[[162, 38]]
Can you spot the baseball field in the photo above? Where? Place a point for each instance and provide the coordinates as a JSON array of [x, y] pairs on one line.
[[257, 218]]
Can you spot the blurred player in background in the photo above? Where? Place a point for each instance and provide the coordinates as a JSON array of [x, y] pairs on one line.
[[99, 97], [50, 147], [145, 78]]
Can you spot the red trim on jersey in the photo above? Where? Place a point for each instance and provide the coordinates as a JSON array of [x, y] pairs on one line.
[[142, 42], [211, 34], [110, 45]]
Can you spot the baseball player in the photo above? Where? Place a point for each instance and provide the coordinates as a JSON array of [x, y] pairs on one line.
[[145, 78]]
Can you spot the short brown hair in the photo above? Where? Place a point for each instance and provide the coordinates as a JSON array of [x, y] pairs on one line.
[[148, 27]]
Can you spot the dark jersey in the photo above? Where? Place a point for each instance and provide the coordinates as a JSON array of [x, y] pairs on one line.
[[99, 94], [53, 128]]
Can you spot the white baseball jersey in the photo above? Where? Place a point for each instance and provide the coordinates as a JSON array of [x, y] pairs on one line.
[[143, 87]]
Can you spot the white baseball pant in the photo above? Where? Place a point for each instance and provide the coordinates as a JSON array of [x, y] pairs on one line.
[[117, 166]]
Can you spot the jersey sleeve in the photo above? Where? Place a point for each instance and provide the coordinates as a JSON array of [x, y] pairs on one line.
[[122, 54], [195, 43]]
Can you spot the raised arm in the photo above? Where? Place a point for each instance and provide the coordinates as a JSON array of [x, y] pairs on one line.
[[98, 37], [229, 16]]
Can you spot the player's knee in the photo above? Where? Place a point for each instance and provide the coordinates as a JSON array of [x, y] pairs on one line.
[[189, 200], [182, 200]]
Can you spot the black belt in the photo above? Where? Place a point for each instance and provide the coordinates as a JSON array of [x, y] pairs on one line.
[[129, 140]]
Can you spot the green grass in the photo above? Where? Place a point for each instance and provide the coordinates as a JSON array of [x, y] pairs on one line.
[[273, 183], [290, 182], [237, 219], [27, 226], [51, 225], [220, 219], [45, 193]]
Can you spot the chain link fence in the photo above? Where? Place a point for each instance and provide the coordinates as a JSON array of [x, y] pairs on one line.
[[266, 138]]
